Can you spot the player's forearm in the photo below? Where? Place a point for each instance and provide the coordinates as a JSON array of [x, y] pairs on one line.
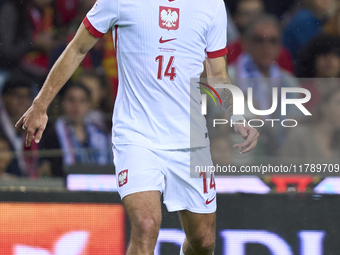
[[225, 94], [216, 70], [227, 99], [60, 73]]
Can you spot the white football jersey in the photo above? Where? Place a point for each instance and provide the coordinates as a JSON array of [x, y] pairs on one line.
[[160, 45]]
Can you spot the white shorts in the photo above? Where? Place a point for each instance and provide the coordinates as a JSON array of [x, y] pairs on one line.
[[143, 169]]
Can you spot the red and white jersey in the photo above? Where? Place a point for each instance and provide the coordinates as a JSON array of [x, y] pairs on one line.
[[160, 45]]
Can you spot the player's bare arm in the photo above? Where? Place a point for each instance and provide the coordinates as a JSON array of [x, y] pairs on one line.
[[217, 68], [35, 119]]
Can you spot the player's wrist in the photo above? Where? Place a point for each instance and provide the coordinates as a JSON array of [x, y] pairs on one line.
[[40, 105]]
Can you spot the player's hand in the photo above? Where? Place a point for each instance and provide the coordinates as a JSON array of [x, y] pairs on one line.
[[34, 123], [250, 135]]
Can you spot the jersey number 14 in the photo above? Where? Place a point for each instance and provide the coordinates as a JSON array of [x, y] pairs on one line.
[[170, 71], [205, 184]]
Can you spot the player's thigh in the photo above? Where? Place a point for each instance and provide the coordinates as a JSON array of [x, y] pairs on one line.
[[198, 227], [138, 169], [186, 189], [144, 211]]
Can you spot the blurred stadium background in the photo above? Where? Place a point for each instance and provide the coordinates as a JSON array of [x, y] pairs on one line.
[[59, 196]]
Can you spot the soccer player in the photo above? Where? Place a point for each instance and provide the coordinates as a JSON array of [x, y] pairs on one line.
[[160, 45]]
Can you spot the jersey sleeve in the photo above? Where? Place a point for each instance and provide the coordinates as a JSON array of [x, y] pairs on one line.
[[103, 15], [217, 34]]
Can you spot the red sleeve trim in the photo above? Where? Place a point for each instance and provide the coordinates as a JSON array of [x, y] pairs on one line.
[[92, 29], [218, 53]]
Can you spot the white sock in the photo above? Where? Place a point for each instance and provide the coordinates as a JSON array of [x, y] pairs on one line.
[[181, 252]]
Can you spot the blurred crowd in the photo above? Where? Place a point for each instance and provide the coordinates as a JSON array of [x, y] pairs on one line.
[[33, 33], [284, 44], [271, 43]]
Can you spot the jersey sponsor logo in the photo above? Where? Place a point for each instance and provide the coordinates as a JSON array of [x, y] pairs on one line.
[[123, 178], [209, 201], [161, 40], [168, 18]]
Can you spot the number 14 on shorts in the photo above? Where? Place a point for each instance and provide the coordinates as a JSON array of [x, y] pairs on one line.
[[205, 184]]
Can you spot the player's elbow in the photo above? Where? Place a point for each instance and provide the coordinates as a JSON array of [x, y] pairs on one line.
[[216, 67], [217, 73], [83, 41], [77, 49], [82, 50]]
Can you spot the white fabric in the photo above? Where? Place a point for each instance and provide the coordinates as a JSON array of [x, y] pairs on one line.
[[104, 14], [181, 251], [151, 108], [144, 169]]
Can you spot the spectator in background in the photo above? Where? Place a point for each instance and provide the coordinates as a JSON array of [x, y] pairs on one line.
[[66, 11], [83, 7], [94, 58], [262, 41], [279, 7], [246, 12], [332, 27], [232, 31], [41, 17], [27, 36], [16, 97], [5, 156], [15, 35], [101, 99], [321, 139], [102, 57], [81, 142], [307, 23], [256, 68], [320, 59], [276, 7]]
